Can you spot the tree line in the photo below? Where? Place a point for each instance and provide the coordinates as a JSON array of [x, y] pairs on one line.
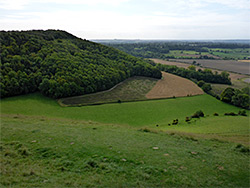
[[160, 49], [58, 64], [191, 73]]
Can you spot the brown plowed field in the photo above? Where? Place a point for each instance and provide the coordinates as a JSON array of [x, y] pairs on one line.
[[173, 86], [233, 76]]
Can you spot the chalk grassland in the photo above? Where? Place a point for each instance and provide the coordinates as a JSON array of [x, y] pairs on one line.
[[144, 114], [227, 65], [173, 86], [131, 89], [58, 152]]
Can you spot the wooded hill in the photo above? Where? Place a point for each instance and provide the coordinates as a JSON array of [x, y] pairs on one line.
[[58, 64]]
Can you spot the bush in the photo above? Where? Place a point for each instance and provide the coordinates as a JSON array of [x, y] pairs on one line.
[[227, 95], [198, 114], [242, 113], [175, 122], [230, 114], [200, 83], [216, 114], [188, 119], [206, 87]]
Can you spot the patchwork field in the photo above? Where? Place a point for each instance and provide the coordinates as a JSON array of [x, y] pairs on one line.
[[132, 89], [227, 65], [173, 86], [138, 89]]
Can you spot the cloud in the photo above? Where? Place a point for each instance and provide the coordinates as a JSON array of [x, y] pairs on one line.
[[13, 4], [21, 4], [238, 4]]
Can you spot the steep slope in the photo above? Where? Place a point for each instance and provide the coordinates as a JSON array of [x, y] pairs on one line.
[[59, 64]]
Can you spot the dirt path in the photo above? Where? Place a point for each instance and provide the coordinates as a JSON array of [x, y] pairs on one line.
[[173, 86]]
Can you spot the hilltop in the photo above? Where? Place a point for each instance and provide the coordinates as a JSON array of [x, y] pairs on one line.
[[58, 64]]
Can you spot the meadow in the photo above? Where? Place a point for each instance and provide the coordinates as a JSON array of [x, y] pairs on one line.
[[143, 114], [119, 145]]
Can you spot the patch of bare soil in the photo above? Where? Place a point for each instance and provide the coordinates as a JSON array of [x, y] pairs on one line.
[[183, 65], [233, 76], [173, 86]]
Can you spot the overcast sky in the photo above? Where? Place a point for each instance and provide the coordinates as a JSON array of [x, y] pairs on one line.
[[131, 19]]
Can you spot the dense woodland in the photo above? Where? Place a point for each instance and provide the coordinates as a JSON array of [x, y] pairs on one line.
[[161, 49], [59, 64]]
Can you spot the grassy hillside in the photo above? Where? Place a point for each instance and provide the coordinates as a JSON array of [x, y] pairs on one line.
[[56, 152], [143, 115], [135, 113], [119, 145]]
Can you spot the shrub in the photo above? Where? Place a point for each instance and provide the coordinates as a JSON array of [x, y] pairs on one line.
[[242, 113], [198, 114], [216, 114], [206, 87], [188, 119], [227, 95], [230, 114], [175, 122], [200, 83]]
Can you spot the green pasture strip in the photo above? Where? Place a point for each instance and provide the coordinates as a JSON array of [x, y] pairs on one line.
[[144, 113], [229, 128], [48, 152], [131, 89], [238, 53]]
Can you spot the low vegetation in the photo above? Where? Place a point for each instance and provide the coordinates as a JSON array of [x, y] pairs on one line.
[[132, 89], [91, 155]]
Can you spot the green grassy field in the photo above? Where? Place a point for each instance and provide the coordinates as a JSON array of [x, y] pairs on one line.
[[131, 89], [57, 152], [219, 52], [231, 53], [119, 145], [143, 113]]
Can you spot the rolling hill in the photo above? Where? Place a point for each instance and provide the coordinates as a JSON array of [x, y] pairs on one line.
[[59, 64]]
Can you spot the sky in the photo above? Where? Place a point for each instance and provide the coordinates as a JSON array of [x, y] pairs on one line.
[[131, 19]]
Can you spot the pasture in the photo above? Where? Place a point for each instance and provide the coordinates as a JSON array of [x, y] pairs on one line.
[[119, 145], [69, 153], [143, 114]]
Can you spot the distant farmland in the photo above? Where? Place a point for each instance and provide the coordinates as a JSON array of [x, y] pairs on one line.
[[227, 65], [233, 76]]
